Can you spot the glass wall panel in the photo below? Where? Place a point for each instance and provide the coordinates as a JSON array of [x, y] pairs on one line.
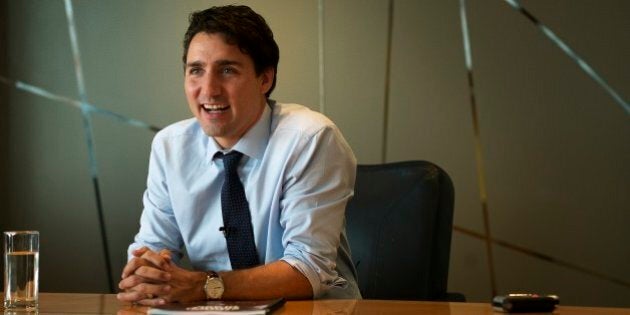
[[51, 191]]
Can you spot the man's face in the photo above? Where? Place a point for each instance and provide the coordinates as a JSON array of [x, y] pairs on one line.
[[222, 88]]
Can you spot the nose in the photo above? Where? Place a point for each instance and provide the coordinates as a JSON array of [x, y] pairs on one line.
[[211, 86]]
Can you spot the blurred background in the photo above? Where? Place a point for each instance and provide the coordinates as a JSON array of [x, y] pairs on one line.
[[552, 159]]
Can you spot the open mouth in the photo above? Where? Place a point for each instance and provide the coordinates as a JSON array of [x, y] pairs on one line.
[[214, 108]]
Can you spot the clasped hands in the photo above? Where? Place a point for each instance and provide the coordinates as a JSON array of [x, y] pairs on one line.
[[152, 278]]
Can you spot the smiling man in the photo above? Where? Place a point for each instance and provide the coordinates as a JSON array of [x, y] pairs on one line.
[[252, 190]]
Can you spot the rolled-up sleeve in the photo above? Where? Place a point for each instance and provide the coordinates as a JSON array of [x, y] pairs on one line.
[[317, 187]]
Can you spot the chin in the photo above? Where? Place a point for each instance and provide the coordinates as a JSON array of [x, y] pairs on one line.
[[212, 131]]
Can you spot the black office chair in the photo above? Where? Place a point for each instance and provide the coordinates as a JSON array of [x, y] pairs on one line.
[[399, 226]]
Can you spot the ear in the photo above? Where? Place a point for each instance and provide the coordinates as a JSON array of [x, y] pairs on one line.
[[266, 80]]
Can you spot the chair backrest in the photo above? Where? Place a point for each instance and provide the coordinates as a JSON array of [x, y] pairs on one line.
[[399, 226]]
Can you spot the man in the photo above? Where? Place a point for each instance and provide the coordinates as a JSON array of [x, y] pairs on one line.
[[293, 165]]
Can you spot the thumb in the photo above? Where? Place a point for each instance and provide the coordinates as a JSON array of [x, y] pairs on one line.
[[140, 251]]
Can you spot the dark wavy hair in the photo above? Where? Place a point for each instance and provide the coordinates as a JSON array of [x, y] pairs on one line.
[[240, 26]]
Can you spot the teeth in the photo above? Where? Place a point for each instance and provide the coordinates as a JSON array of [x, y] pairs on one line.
[[213, 107]]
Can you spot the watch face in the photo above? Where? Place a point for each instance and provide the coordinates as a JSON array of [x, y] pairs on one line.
[[214, 288]]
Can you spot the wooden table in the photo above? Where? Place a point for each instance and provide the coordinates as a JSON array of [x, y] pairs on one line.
[[74, 303]]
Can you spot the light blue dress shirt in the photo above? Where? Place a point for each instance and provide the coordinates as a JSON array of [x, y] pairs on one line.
[[298, 173]]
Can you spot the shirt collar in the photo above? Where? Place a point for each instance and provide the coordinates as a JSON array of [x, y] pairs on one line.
[[254, 143]]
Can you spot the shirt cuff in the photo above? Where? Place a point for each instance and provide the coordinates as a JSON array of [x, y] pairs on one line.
[[313, 275], [309, 273]]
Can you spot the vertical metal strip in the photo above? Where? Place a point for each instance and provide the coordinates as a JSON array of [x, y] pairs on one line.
[[388, 64], [87, 127], [573, 55], [321, 51], [4, 116], [478, 149]]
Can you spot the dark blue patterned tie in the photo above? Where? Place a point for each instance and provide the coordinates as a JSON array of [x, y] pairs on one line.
[[237, 221]]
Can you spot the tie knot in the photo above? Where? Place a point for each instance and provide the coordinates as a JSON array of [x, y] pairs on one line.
[[230, 160]]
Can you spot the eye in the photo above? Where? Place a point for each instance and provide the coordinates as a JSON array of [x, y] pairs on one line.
[[228, 70], [195, 70]]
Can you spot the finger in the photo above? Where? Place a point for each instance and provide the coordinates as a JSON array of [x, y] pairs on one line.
[[153, 274], [148, 258], [130, 282], [141, 298], [165, 253], [132, 265], [152, 302], [156, 259], [133, 281], [139, 251], [144, 291], [130, 296]]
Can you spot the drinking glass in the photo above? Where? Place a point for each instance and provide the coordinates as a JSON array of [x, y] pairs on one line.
[[21, 269]]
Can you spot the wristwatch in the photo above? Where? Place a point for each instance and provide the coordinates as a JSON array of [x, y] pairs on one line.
[[214, 286]]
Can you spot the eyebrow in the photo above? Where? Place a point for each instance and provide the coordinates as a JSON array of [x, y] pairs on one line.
[[195, 64], [220, 62], [227, 62]]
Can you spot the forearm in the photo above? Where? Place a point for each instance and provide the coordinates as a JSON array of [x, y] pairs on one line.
[[277, 279]]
